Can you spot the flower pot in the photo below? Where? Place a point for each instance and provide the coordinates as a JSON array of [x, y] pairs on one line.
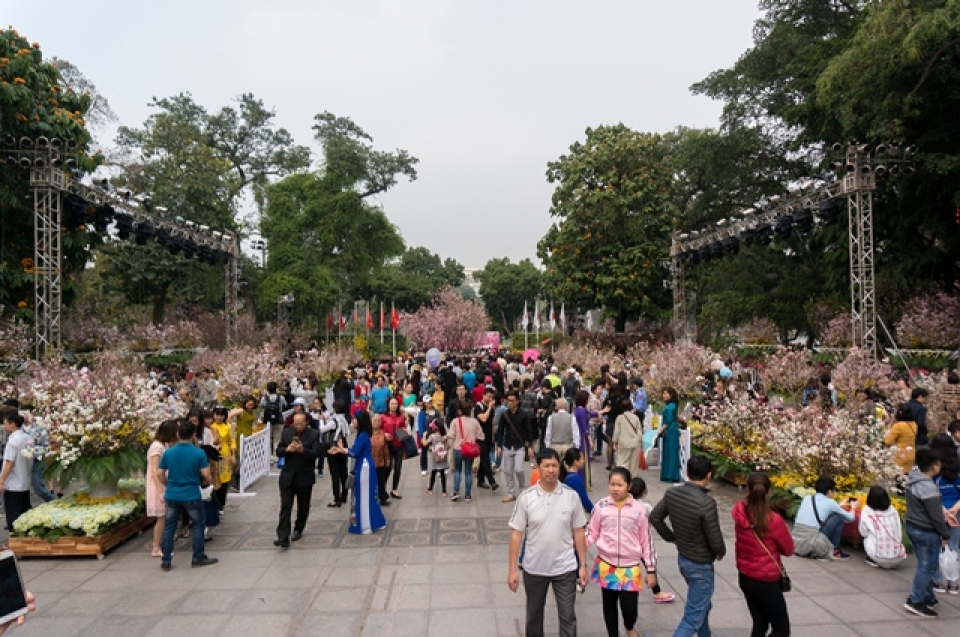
[[104, 489]]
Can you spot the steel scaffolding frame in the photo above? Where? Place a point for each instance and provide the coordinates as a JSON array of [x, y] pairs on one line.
[[47, 183]]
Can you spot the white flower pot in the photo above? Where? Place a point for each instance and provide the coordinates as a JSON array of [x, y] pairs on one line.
[[106, 489]]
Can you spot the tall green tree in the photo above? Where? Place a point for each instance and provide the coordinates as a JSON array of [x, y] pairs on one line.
[[33, 104], [325, 239], [615, 210], [198, 165], [505, 287]]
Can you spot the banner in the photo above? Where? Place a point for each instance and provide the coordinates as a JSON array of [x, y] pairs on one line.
[[491, 340]]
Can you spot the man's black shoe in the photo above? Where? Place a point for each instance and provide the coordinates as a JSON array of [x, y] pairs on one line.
[[296, 536], [483, 486], [284, 544], [206, 561], [165, 567]]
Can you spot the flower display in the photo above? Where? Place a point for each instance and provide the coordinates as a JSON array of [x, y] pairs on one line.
[[860, 370], [930, 322], [16, 338], [787, 370], [589, 358], [734, 434], [813, 443], [100, 421], [76, 515], [241, 371], [677, 365], [451, 323]]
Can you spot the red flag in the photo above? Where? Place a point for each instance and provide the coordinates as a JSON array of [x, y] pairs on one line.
[[343, 321], [369, 318], [330, 321], [394, 319]]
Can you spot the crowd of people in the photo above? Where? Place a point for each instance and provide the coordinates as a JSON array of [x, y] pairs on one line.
[[484, 418]]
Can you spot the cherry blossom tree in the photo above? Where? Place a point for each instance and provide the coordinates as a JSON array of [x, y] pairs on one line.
[[450, 323]]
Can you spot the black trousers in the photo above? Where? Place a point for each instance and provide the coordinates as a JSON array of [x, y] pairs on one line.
[[767, 607], [323, 454], [423, 457], [565, 593], [628, 606], [287, 494], [338, 476], [221, 495], [15, 504], [443, 479], [600, 436], [396, 458], [485, 471], [382, 474]]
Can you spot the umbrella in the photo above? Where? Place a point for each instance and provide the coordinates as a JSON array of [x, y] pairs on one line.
[[531, 354]]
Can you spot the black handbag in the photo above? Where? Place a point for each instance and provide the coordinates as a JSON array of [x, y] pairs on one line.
[[785, 584]]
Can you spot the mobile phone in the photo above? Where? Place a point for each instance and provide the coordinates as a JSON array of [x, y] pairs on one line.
[[13, 598]]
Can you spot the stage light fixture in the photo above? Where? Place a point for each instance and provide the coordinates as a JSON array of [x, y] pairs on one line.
[[730, 245], [829, 211], [10, 160], [880, 170], [56, 142], [26, 143], [909, 152], [9, 140], [803, 220], [43, 143], [25, 162]]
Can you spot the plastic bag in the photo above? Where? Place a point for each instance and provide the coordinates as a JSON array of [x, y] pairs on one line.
[[948, 564]]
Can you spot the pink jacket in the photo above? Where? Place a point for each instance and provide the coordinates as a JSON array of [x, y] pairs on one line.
[[622, 534]]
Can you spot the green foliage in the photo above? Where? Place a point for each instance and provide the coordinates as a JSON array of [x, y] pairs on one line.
[[33, 103], [505, 287], [615, 209], [198, 165], [121, 464], [325, 240], [413, 280]]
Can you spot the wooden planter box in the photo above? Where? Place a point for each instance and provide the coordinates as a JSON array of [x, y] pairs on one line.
[[736, 479], [78, 546]]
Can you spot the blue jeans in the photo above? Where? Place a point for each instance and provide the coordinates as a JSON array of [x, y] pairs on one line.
[[696, 612], [462, 466], [175, 508], [926, 544], [833, 528], [36, 481]]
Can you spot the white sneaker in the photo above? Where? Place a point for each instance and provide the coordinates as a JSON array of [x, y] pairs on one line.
[[423, 473]]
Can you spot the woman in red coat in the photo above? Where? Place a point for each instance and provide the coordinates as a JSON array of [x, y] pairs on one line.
[[762, 537], [393, 420]]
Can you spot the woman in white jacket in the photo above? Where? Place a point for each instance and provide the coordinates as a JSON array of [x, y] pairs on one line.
[[881, 530]]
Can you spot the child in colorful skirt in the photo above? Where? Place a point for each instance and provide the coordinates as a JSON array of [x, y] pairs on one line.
[[620, 529]]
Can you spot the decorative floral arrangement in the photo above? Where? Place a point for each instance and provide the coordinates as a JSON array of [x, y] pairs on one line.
[[759, 331], [838, 331], [734, 434], [860, 370], [678, 365], [241, 371], [85, 332], [787, 370], [100, 421], [16, 338], [589, 358], [78, 516], [147, 338], [930, 322], [328, 362], [812, 443]]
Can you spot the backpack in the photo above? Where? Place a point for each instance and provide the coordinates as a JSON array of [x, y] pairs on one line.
[[328, 439], [272, 410], [439, 451]]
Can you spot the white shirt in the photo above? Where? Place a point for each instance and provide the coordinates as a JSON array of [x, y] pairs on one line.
[[19, 478], [549, 519]]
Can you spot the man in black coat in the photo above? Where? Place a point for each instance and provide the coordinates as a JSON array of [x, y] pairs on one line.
[[300, 448]]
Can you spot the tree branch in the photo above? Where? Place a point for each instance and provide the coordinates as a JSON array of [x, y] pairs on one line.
[[929, 67]]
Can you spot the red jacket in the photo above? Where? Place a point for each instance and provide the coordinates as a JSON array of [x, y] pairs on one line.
[[390, 426], [752, 560]]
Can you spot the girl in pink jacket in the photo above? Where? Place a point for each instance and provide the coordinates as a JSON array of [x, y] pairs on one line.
[[621, 532]]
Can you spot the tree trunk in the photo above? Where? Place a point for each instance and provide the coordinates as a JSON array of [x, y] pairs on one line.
[[621, 321], [159, 306]]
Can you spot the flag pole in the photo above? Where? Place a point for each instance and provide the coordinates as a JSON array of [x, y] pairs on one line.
[[381, 322]]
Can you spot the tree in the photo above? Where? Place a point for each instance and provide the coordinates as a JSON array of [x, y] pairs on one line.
[[99, 113], [452, 323], [505, 287], [615, 206], [198, 165], [321, 232], [413, 280], [33, 104]]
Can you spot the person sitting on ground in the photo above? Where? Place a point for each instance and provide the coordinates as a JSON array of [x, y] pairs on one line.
[[819, 525], [881, 531]]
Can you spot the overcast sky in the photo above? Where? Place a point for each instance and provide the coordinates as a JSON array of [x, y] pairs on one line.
[[483, 92]]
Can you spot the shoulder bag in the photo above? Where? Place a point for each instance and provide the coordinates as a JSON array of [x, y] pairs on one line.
[[469, 450], [785, 584]]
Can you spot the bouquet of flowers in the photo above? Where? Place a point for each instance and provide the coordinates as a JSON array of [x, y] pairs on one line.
[[734, 434]]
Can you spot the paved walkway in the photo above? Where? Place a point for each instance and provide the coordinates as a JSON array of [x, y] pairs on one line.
[[439, 569]]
